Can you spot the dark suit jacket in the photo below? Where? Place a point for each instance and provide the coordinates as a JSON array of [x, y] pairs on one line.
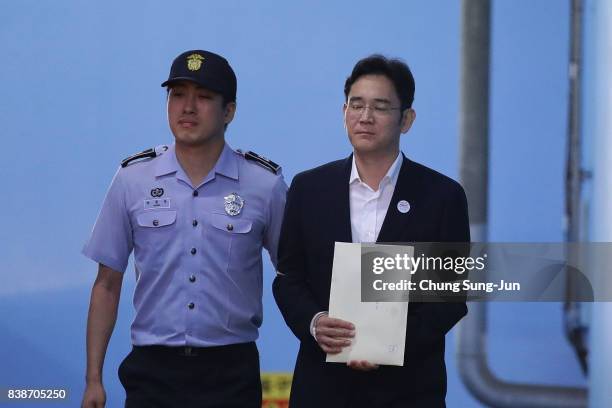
[[317, 214]]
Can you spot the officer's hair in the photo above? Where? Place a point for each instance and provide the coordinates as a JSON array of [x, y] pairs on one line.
[[397, 71]]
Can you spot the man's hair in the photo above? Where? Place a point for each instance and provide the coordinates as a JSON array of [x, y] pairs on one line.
[[395, 70]]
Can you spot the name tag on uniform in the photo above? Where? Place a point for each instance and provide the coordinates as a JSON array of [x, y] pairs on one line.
[[154, 203]]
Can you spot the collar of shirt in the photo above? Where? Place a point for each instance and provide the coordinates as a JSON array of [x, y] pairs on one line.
[[368, 207], [390, 177], [227, 165]]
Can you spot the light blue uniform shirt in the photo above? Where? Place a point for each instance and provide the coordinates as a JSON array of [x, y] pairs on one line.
[[198, 268]]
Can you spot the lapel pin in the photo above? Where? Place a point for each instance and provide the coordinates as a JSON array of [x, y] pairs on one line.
[[403, 206]]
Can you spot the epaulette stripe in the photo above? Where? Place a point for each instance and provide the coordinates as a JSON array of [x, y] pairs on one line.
[[144, 154], [267, 163]]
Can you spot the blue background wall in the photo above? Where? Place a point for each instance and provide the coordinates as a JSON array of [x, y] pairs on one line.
[[81, 91]]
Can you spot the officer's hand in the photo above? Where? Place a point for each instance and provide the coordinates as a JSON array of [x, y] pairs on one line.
[[95, 396], [333, 334], [362, 365]]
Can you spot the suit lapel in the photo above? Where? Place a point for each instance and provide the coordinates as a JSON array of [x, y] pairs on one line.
[[396, 223], [340, 209]]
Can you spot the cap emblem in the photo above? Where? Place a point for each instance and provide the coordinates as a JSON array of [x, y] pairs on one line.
[[194, 62]]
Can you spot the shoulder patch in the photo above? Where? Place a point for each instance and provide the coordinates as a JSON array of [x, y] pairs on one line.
[[262, 161], [145, 154]]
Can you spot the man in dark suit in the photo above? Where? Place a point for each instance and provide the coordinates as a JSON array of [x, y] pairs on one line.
[[374, 195]]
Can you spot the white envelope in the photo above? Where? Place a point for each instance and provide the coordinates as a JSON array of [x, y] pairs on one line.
[[380, 328]]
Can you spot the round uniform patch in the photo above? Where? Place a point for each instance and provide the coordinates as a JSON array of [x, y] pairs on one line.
[[157, 192]]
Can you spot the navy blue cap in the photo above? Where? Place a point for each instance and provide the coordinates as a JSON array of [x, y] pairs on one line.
[[207, 69]]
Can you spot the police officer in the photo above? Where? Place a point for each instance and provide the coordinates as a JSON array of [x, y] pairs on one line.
[[196, 213]]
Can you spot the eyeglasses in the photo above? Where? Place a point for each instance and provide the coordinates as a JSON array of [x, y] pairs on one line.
[[378, 109]]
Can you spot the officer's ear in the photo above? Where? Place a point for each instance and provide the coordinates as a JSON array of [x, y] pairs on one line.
[[229, 112]]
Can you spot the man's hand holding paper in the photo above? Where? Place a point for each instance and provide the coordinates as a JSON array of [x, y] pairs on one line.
[[379, 328]]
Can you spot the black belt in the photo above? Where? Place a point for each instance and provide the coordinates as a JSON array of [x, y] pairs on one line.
[[191, 351]]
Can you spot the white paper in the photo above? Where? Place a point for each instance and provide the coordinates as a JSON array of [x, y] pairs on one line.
[[380, 328]]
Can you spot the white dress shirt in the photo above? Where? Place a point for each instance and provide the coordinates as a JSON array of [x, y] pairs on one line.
[[368, 206], [368, 210]]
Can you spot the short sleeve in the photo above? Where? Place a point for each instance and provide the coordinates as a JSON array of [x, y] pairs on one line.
[[111, 241], [276, 208]]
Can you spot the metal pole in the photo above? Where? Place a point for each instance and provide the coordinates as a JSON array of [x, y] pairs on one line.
[[474, 127], [474, 112], [600, 362], [575, 329]]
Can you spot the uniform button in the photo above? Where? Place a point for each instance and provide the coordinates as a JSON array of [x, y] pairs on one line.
[[195, 193], [155, 223], [193, 251], [230, 227], [191, 305], [195, 223], [192, 278]]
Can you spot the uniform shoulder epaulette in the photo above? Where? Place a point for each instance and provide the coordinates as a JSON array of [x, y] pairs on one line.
[[145, 154], [262, 161]]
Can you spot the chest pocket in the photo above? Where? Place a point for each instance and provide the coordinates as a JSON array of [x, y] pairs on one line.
[[154, 233], [156, 219], [236, 242], [231, 224]]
